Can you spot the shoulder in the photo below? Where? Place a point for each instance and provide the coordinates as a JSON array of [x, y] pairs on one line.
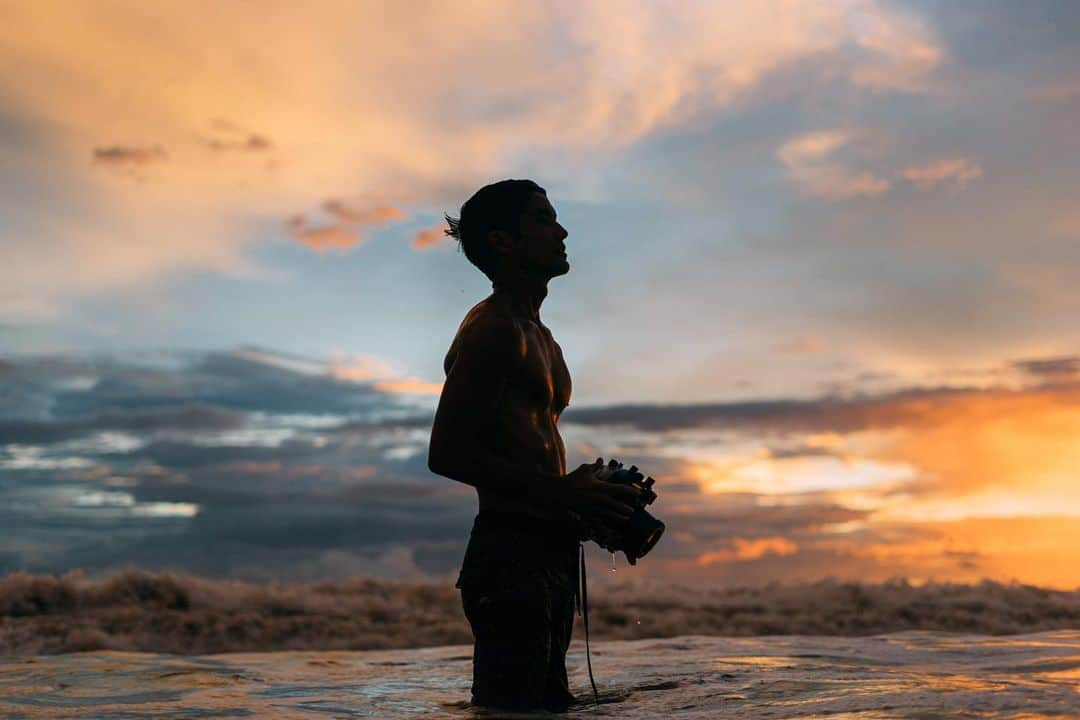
[[488, 330], [487, 334]]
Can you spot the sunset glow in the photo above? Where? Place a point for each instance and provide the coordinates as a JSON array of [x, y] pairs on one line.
[[825, 278]]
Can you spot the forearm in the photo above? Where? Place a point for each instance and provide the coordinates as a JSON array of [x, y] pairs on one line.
[[484, 469]]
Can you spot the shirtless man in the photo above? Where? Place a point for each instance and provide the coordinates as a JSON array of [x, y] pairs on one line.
[[496, 429]]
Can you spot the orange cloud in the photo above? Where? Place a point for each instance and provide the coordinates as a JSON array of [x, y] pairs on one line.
[[912, 54], [957, 171], [812, 165], [377, 215], [227, 136], [429, 238], [409, 386], [749, 549], [933, 454], [1038, 550], [252, 143], [323, 238], [360, 368], [1020, 440], [350, 228], [383, 376], [1062, 368], [347, 111], [121, 155], [946, 484]]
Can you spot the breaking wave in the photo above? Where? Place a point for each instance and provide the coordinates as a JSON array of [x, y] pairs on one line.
[[178, 613]]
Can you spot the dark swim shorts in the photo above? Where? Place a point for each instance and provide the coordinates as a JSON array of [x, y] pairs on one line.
[[518, 586]]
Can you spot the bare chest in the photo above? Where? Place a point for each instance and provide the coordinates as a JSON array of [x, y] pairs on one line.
[[544, 376]]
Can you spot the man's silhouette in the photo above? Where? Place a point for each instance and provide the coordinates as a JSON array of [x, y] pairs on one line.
[[495, 429]]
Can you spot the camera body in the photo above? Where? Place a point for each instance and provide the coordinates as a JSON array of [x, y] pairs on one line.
[[641, 531]]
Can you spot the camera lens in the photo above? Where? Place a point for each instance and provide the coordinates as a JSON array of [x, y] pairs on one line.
[[641, 533]]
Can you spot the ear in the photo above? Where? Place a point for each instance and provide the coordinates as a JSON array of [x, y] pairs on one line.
[[501, 242]]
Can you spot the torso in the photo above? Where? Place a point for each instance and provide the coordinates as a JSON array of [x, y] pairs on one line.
[[525, 430]]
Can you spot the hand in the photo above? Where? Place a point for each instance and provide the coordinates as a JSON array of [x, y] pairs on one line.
[[585, 493]]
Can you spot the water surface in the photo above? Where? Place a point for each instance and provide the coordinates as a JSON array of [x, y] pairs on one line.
[[902, 675]]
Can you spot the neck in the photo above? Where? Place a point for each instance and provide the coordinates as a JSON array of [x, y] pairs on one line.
[[524, 295]]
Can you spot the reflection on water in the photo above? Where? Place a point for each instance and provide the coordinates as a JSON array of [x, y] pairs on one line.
[[905, 675]]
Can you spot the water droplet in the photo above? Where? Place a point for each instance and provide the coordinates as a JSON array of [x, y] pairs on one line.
[[612, 562]]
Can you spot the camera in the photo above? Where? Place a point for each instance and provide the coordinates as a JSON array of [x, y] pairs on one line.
[[641, 531]]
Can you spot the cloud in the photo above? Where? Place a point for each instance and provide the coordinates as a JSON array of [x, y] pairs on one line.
[[1063, 368], [252, 462], [360, 367], [184, 389], [719, 519], [227, 136], [376, 215], [252, 143], [956, 172], [429, 238], [350, 229], [818, 415], [181, 417], [906, 457], [410, 386], [816, 163], [1003, 450], [800, 346], [743, 549], [213, 461], [830, 414], [119, 155], [348, 113], [901, 53], [812, 165], [326, 237], [384, 376]]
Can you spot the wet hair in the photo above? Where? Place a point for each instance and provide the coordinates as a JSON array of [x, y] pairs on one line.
[[497, 206]]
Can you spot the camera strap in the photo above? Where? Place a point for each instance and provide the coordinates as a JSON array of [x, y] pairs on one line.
[[583, 608]]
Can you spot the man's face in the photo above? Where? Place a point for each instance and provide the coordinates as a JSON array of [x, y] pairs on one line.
[[542, 249]]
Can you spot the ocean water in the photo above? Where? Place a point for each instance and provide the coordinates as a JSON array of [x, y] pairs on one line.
[[900, 675]]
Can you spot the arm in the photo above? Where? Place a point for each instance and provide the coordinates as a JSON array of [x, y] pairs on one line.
[[468, 411]]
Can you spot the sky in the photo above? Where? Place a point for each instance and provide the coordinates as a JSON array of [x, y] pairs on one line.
[[825, 270]]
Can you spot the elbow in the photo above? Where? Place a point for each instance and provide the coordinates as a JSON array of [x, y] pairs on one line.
[[447, 457], [435, 467], [438, 462]]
